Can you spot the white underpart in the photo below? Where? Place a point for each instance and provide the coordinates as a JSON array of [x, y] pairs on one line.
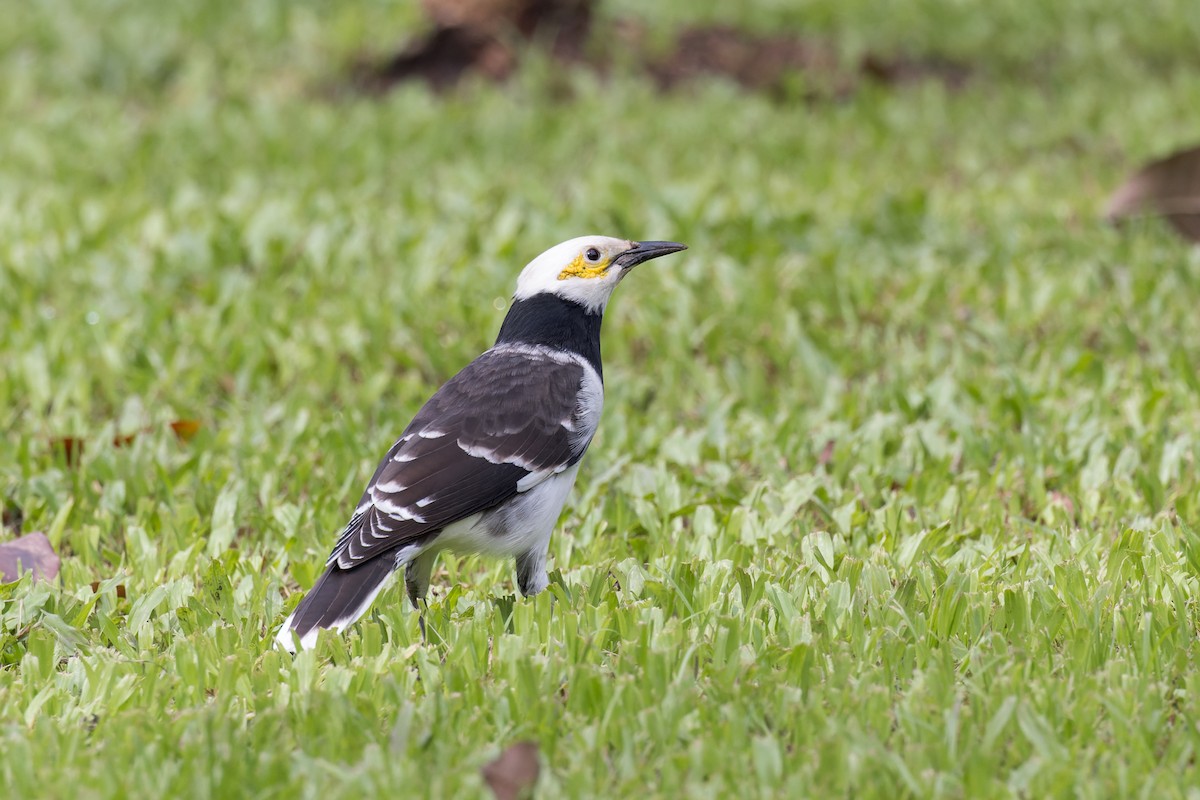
[[520, 525], [541, 274], [588, 406]]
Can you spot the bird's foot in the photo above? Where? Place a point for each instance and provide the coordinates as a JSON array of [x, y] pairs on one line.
[[422, 606]]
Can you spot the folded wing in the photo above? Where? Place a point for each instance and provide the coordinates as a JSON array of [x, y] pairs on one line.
[[507, 421]]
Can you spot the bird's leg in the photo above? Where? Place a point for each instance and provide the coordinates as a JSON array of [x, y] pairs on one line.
[[416, 583], [531, 571]]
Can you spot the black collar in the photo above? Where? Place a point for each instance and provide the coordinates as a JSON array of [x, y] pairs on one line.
[[550, 320]]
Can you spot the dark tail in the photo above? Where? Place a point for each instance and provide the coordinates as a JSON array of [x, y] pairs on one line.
[[338, 598]]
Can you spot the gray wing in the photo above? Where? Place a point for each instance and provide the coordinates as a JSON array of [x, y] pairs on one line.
[[503, 424]]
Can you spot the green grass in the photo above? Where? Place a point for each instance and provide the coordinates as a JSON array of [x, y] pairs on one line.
[[896, 493]]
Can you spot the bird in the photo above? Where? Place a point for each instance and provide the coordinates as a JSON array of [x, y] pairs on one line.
[[487, 463]]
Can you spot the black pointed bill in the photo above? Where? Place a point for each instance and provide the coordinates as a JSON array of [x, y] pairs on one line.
[[644, 251]]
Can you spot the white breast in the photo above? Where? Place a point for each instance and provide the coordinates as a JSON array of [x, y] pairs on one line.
[[588, 408], [522, 524]]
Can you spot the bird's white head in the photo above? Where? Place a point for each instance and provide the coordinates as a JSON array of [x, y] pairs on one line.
[[587, 269]]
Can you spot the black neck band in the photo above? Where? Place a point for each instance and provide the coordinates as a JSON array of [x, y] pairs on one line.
[[550, 320]]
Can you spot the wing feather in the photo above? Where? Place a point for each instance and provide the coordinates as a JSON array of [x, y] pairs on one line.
[[504, 417]]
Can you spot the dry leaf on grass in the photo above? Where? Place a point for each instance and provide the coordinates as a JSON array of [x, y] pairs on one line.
[[1169, 187], [13, 518], [72, 446], [514, 773], [31, 553], [186, 429]]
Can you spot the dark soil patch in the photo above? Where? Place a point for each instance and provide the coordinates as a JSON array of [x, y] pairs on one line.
[[905, 69], [482, 37], [762, 63], [486, 37]]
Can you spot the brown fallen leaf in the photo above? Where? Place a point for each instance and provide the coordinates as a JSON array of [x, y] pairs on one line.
[[120, 588], [72, 446], [514, 773], [186, 429], [31, 553], [13, 517], [1169, 187]]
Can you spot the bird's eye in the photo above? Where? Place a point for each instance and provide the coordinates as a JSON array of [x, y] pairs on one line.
[[592, 254]]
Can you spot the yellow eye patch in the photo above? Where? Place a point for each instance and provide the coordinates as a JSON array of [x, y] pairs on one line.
[[580, 268]]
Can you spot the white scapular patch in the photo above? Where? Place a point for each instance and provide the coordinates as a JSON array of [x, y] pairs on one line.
[[397, 511], [537, 478], [485, 453], [533, 479], [401, 458], [430, 433], [589, 405], [540, 352], [390, 487], [424, 501], [491, 457]]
